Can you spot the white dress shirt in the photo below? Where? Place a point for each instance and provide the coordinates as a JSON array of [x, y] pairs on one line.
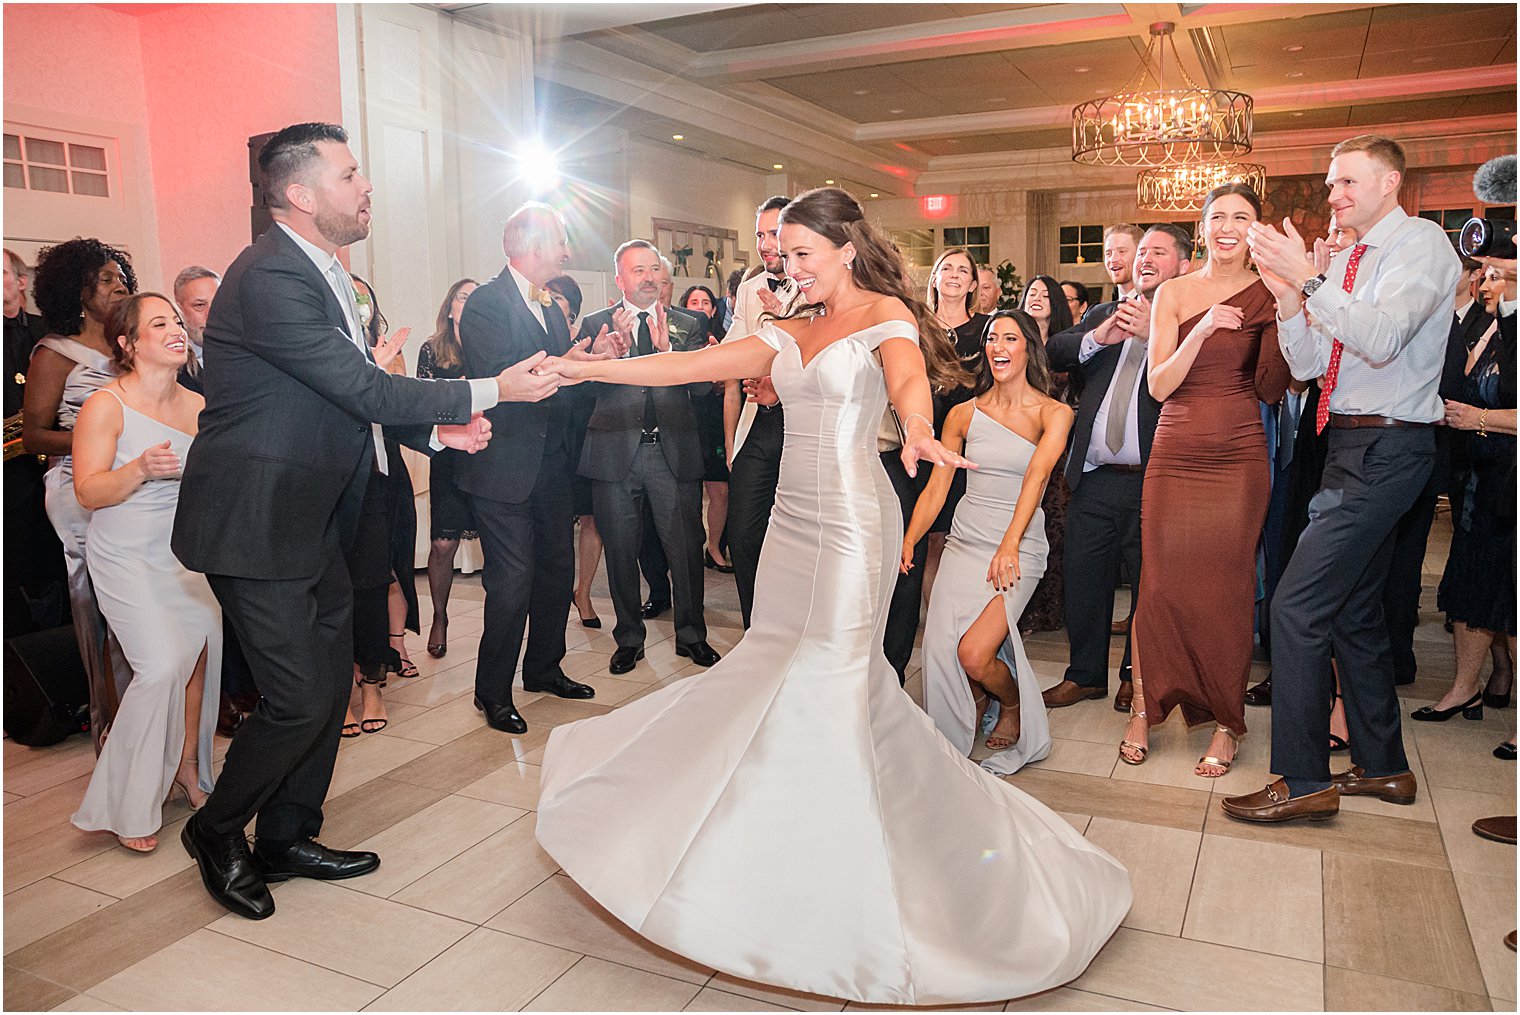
[[747, 311], [526, 288], [1394, 324]]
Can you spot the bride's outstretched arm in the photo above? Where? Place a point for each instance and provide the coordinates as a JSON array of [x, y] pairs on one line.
[[908, 387], [727, 361]]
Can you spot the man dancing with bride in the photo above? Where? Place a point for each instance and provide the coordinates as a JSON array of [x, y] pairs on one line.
[[790, 816]]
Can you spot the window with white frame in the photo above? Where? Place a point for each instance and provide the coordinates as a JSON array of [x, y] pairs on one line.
[[59, 165]]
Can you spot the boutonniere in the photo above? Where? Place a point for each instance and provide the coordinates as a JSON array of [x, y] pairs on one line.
[[366, 309]]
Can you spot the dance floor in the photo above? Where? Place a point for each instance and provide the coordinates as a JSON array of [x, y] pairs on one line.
[[1383, 908]]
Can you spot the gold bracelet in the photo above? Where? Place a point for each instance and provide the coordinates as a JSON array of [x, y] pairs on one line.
[[1483, 423]]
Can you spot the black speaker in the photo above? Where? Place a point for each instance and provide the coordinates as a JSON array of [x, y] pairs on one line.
[[259, 218], [47, 696]]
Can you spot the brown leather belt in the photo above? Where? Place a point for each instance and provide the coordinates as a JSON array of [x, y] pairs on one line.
[[1343, 422], [1124, 468]]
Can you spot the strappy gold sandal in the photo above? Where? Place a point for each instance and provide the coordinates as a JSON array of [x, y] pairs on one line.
[[1219, 763], [1140, 749]]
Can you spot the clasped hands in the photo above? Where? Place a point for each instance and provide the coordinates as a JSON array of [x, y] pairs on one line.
[[1286, 262]]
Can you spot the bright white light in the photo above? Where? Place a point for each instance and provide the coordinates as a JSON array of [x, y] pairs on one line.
[[538, 166]]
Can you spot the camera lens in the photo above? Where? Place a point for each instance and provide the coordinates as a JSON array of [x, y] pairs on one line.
[[1487, 238]]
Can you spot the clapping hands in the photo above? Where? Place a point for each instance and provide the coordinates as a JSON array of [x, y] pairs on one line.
[[389, 347]]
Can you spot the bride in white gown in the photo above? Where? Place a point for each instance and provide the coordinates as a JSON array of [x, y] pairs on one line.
[[790, 816]]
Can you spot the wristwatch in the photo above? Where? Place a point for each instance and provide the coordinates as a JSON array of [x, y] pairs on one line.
[[1311, 285]]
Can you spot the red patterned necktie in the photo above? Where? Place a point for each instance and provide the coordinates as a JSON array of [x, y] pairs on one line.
[[1333, 372]]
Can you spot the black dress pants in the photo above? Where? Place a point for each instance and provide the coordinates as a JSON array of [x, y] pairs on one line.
[[529, 578], [751, 495], [903, 611], [1331, 596], [1102, 529], [1401, 594]]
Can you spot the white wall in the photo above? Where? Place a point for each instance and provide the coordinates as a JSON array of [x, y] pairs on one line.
[[666, 183]]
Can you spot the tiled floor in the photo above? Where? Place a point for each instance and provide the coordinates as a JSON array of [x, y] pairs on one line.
[[1383, 908]]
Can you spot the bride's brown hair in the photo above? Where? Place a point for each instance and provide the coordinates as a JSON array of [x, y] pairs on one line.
[[878, 267]]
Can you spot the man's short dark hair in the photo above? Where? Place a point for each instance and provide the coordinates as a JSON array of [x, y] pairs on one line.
[[1179, 236], [290, 152], [734, 278], [775, 203], [617, 257]]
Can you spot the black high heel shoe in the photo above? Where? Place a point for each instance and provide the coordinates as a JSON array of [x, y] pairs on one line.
[[712, 565], [1505, 751], [1472, 708], [594, 622], [1492, 698]]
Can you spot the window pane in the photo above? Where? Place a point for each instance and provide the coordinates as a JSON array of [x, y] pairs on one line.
[[1092, 234], [14, 175], [90, 185], [1068, 254], [981, 255], [1456, 218], [1495, 211], [56, 180], [85, 157], [1068, 234], [12, 146], [978, 235], [955, 237], [50, 152], [1433, 216]]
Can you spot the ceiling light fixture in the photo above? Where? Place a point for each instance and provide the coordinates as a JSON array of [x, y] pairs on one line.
[[1183, 188], [678, 137], [1295, 73], [1080, 70], [1161, 126], [894, 110], [829, 182], [777, 165], [875, 195], [1293, 49], [862, 91]]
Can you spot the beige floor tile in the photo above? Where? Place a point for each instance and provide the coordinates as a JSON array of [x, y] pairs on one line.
[[514, 784], [50, 770], [1229, 905], [487, 971], [1488, 902], [1499, 1004], [370, 808], [460, 762], [398, 711], [85, 1002], [1160, 862], [10, 797], [1093, 720], [120, 872], [1174, 753], [49, 851], [111, 939], [551, 711], [441, 723], [1456, 811], [1085, 794], [1459, 754], [367, 757], [1165, 971], [428, 839], [1349, 990], [449, 679], [1070, 999], [559, 913], [1399, 920], [708, 999], [1077, 821], [1082, 757], [984, 1006], [779, 996], [45, 906], [596, 985], [486, 879], [212, 972], [612, 691], [580, 664], [27, 992], [43, 809], [1368, 835], [358, 935]]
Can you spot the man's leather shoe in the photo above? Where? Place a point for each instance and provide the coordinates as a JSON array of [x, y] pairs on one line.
[[562, 686], [1069, 692], [308, 858], [1396, 789], [698, 652], [502, 717], [1500, 829], [1118, 628], [653, 609], [228, 871], [1126, 696], [1261, 694], [1274, 804], [624, 658]]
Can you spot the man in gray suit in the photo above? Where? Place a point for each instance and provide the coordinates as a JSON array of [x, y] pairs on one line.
[[642, 444]]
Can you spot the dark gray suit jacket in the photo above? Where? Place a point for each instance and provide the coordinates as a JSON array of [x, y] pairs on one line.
[[273, 483], [612, 434], [1094, 378]]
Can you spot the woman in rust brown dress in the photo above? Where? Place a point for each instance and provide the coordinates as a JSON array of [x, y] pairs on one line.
[[1213, 353]]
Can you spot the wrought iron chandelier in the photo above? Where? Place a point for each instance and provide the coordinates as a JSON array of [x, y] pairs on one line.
[[1161, 126], [1183, 188]]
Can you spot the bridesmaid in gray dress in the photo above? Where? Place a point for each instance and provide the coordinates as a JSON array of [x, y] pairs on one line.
[[130, 442], [974, 658]]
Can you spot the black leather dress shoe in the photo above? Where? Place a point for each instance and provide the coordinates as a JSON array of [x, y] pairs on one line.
[[308, 858], [228, 871], [562, 686], [699, 652], [623, 659], [1261, 694], [502, 717], [653, 609]]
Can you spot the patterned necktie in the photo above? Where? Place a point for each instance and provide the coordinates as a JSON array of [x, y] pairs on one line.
[[345, 285], [1333, 371]]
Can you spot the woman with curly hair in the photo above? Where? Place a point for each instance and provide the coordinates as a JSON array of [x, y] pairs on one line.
[[77, 284]]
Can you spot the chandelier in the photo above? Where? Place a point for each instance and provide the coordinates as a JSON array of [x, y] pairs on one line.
[[1161, 126], [1183, 188]]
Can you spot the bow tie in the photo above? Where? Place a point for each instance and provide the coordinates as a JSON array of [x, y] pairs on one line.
[[774, 282], [537, 295]]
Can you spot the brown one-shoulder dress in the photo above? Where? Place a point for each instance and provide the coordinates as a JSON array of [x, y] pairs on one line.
[[1207, 484]]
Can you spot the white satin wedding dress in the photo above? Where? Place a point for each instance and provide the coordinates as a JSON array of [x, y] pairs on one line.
[[790, 816]]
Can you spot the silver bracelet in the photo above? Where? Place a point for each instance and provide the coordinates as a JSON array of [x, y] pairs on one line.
[[918, 415]]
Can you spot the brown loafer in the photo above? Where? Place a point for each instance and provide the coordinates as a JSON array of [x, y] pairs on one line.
[[1125, 697], [1068, 692], [1500, 829], [1274, 804], [1118, 627], [1509, 940], [1396, 789]]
